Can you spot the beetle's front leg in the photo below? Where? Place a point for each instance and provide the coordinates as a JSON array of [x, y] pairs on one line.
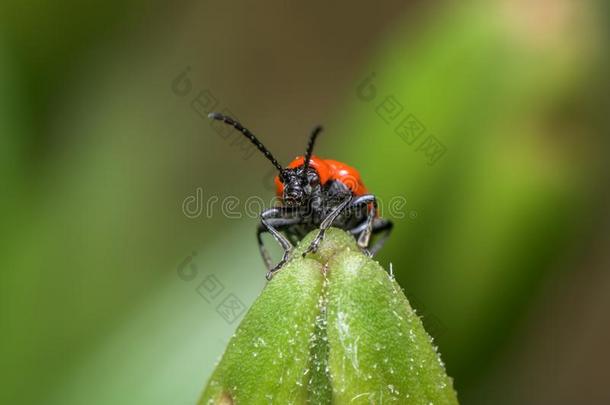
[[326, 223], [380, 225], [272, 222], [366, 229]]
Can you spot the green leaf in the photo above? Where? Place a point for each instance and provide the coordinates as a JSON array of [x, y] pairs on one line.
[[333, 327]]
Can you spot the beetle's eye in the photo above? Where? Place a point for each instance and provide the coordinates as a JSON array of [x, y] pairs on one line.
[[313, 179]]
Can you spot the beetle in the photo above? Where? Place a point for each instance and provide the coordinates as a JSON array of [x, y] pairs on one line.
[[315, 193]]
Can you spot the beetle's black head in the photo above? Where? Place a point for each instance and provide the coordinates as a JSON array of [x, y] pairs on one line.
[[300, 184], [303, 182]]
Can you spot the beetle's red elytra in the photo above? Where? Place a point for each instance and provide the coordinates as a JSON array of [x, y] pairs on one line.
[[327, 169]]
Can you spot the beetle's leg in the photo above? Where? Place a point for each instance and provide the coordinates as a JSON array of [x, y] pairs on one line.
[[379, 225], [272, 222], [326, 223], [277, 224], [366, 228]]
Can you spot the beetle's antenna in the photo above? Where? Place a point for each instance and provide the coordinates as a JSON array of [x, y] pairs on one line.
[[247, 134], [312, 140]]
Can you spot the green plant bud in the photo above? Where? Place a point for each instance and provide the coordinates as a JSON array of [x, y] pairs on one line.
[[330, 328]]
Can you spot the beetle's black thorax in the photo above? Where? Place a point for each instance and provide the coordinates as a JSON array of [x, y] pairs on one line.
[[318, 203]]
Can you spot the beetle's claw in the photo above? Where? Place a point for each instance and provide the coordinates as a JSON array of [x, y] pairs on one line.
[[274, 270], [278, 267], [313, 246]]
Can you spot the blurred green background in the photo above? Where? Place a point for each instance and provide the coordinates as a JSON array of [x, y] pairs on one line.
[[502, 245]]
